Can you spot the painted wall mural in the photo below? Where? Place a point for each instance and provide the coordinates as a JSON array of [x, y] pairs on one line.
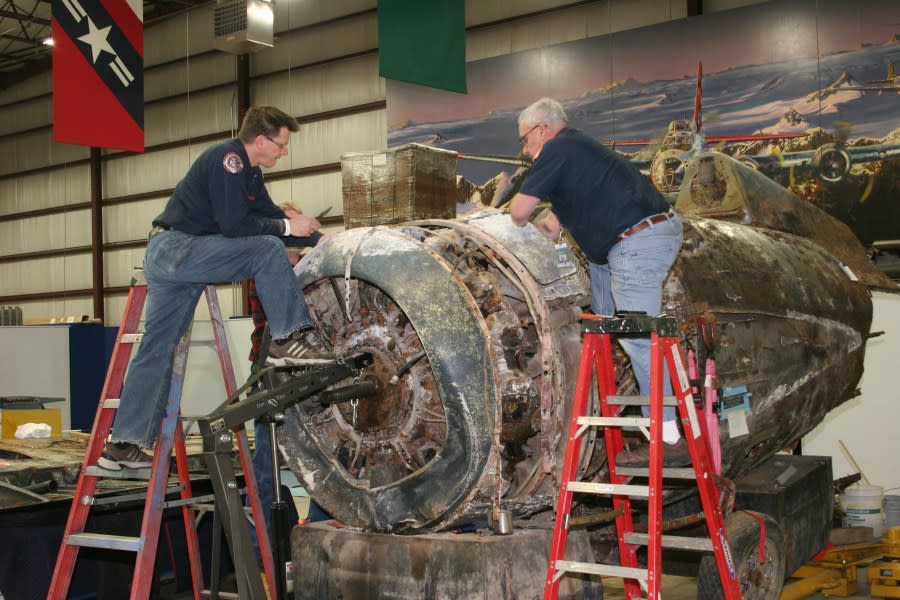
[[804, 90]]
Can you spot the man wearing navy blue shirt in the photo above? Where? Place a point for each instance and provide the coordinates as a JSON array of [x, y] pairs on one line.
[[624, 225], [219, 225]]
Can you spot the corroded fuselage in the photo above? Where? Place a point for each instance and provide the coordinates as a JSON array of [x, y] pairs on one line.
[[473, 324]]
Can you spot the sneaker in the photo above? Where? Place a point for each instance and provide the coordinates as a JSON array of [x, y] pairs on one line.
[[674, 455], [124, 455], [303, 347]]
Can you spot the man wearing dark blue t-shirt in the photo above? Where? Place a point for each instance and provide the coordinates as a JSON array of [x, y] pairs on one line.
[[219, 225], [624, 225]]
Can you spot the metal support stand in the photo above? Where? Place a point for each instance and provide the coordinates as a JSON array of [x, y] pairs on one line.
[[218, 442], [281, 542]]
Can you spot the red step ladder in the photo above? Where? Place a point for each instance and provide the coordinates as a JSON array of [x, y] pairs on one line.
[[597, 357], [171, 436]]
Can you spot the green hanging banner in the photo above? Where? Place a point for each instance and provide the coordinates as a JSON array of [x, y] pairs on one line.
[[423, 42]]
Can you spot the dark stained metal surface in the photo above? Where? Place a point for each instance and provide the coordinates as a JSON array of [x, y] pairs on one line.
[[483, 339], [717, 186], [790, 326]]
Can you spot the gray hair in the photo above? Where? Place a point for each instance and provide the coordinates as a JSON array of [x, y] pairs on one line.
[[545, 110]]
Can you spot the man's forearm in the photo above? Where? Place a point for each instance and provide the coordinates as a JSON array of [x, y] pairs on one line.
[[521, 207]]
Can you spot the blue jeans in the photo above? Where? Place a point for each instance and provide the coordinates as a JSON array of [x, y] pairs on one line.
[[632, 280], [177, 267]]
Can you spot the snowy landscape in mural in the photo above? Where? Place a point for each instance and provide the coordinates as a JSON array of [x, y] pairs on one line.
[[741, 100]]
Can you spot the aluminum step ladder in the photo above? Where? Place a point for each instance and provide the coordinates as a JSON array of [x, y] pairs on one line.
[[597, 358], [171, 437]]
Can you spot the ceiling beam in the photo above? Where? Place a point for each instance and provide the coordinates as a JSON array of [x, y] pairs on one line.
[[24, 17], [15, 38]]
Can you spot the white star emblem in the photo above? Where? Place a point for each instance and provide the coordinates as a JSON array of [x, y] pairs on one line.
[[96, 39]]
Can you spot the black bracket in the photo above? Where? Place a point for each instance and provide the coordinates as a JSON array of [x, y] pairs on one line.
[[630, 323], [218, 429]]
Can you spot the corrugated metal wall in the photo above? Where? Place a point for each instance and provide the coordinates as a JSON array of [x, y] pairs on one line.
[[322, 69]]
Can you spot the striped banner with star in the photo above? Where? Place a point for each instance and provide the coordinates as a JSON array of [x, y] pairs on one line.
[[98, 73]]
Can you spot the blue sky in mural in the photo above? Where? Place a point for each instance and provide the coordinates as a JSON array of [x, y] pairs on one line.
[[758, 63]]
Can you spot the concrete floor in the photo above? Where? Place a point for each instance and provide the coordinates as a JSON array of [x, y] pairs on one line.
[[674, 588], [685, 588]]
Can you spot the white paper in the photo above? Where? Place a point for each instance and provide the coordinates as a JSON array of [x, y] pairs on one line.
[[737, 423], [27, 431]]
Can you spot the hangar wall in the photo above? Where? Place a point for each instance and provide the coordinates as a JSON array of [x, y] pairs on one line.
[[323, 69]]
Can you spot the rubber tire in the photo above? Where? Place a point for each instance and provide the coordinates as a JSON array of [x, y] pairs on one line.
[[757, 582]]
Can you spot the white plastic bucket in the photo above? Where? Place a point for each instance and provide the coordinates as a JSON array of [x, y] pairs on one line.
[[891, 511], [862, 507]]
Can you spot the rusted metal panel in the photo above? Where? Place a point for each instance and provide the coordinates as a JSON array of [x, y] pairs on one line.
[[790, 325], [477, 320], [372, 566], [717, 186], [425, 442]]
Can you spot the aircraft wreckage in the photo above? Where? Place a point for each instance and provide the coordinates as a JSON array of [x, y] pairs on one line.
[[473, 326]]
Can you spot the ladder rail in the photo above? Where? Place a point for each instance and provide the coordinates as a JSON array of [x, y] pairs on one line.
[[171, 436], [87, 486], [188, 510], [624, 521], [695, 433], [151, 520], [597, 359], [654, 478], [573, 449]]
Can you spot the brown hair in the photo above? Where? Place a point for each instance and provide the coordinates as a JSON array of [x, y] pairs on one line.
[[267, 121]]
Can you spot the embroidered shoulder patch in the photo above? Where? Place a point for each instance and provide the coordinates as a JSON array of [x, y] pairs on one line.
[[233, 163]]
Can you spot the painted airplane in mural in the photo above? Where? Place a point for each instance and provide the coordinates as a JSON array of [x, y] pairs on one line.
[[685, 139], [666, 160], [831, 163], [891, 83]]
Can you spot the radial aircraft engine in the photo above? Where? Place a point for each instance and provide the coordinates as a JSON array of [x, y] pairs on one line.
[[473, 326]]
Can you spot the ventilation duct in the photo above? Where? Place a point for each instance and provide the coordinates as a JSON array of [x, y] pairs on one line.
[[243, 26]]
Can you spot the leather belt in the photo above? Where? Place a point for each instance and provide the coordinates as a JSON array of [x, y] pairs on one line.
[[644, 224], [157, 230]]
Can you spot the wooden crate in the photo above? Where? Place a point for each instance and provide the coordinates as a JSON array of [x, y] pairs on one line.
[[406, 183]]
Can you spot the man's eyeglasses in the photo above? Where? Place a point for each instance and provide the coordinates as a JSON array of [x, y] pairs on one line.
[[281, 146], [524, 138]]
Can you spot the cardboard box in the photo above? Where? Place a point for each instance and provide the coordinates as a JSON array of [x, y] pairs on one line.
[[11, 418], [406, 183]]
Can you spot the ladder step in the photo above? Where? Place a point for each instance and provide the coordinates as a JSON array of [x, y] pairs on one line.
[[570, 566], [95, 471], [614, 421], [683, 542], [640, 400], [670, 473], [228, 595], [108, 542], [131, 338], [195, 502], [589, 487], [111, 403]]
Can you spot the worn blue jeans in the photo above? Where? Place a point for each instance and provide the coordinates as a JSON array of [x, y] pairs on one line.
[[632, 280], [177, 267]]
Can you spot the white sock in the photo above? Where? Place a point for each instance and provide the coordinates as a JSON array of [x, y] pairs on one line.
[[670, 432]]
